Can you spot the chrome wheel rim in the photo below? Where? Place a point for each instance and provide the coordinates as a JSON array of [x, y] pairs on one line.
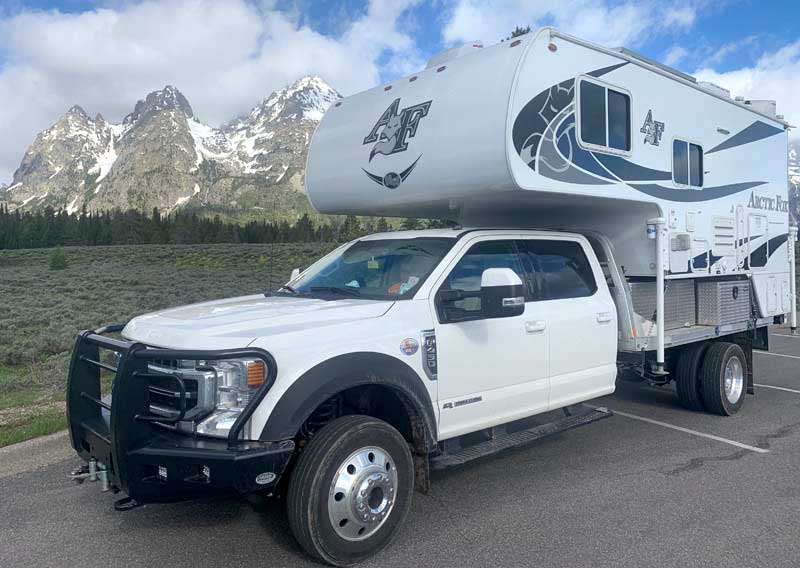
[[363, 493], [734, 380]]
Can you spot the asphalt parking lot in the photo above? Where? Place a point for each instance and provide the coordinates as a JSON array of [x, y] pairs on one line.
[[677, 489]]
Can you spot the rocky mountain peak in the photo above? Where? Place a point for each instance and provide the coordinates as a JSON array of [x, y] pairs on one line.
[[306, 99], [167, 99], [76, 111]]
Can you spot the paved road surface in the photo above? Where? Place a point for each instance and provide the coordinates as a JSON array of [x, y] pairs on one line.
[[619, 492]]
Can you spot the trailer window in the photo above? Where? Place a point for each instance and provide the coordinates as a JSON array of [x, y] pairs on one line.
[[557, 269], [605, 116], [687, 163]]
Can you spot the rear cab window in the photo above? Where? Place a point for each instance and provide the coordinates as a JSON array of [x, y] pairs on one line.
[[556, 270]]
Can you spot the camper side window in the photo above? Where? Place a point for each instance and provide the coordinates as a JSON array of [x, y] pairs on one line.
[[605, 116], [687, 163]]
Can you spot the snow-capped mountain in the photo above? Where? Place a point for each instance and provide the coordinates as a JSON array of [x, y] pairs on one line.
[[162, 156]]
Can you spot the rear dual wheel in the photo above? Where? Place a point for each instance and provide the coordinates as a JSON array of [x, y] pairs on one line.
[[687, 376], [712, 377], [723, 378]]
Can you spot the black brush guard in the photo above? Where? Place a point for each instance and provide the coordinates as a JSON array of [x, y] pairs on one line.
[[138, 447]]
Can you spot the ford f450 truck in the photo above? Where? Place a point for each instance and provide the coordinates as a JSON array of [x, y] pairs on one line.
[[588, 253]]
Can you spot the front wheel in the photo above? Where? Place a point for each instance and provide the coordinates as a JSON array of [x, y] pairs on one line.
[[350, 490], [723, 378]]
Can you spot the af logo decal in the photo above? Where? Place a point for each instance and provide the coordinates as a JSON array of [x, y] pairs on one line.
[[391, 134], [652, 129]]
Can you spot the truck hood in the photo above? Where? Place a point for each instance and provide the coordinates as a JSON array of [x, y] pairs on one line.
[[236, 322]]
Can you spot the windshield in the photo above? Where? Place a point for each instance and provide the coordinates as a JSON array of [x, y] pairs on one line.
[[389, 269]]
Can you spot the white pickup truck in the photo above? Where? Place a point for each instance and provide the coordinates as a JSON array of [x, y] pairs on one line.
[[393, 352], [402, 352]]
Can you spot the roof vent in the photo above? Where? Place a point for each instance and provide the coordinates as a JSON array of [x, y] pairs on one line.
[[453, 53]]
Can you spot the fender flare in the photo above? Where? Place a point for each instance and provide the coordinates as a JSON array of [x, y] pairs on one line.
[[344, 372]]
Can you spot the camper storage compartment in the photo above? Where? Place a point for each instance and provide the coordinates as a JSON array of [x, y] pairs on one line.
[[679, 302], [723, 302]]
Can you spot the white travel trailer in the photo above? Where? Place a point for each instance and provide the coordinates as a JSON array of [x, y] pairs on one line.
[[621, 217]]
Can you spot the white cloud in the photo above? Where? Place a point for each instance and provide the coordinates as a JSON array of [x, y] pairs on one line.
[[675, 55], [224, 56], [602, 21], [681, 16], [774, 76]]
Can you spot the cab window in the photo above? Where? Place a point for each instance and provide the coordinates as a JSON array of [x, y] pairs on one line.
[[557, 269], [466, 275]]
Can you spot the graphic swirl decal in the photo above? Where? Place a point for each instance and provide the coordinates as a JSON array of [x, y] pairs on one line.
[[544, 137]]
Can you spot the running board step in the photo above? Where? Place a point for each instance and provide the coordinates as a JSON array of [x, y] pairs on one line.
[[518, 439]]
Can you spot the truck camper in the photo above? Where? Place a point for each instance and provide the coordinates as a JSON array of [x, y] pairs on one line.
[[613, 219]]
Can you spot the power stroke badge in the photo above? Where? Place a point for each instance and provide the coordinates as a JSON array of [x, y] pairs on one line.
[[391, 135]]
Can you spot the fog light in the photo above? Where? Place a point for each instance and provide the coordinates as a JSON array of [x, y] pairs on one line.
[[206, 473], [162, 473]]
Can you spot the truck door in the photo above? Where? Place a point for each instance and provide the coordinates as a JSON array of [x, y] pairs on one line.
[[491, 370], [570, 293]]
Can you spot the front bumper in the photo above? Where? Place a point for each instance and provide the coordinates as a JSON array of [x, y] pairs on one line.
[[144, 458]]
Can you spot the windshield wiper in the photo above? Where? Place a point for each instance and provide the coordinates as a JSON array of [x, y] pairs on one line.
[[336, 290], [285, 289], [414, 248]]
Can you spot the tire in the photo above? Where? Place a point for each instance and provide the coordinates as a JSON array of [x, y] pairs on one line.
[[687, 377], [355, 465], [717, 397]]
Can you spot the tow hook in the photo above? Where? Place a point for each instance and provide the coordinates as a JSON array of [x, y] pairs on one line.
[[92, 471]]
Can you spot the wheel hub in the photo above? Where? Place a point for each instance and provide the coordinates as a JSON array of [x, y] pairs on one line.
[[734, 380], [362, 493]]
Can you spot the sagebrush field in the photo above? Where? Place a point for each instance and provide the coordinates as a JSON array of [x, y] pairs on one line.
[[41, 308]]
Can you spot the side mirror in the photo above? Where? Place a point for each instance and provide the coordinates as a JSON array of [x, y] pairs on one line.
[[295, 274], [502, 293]]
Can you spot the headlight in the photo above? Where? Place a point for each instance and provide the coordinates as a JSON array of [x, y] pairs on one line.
[[237, 382], [220, 391]]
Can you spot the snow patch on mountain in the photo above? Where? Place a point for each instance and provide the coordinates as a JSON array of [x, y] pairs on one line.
[[105, 162]]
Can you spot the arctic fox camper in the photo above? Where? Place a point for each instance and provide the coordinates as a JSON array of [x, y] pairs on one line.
[[616, 219]]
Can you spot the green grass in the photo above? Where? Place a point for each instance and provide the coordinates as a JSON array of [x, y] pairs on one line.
[[42, 310], [43, 423]]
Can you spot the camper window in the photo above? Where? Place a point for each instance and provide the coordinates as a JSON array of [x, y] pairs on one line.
[[687, 163], [605, 117]]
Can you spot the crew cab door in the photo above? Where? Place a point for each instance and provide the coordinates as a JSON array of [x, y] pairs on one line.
[[491, 370], [570, 293]]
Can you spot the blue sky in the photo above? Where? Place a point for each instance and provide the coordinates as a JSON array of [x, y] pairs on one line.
[[227, 55]]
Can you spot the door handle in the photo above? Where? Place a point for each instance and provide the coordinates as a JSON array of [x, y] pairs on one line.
[[604, 317], [535, 326]]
